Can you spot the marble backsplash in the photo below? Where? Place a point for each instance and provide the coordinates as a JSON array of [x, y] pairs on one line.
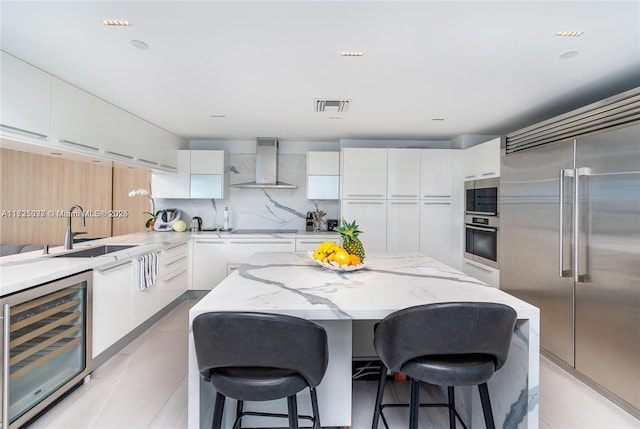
[[258, 208]]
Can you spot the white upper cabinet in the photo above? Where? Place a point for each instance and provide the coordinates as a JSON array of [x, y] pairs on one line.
[[323, 175], [116, 131], [75, 116], [173, 185], [403, 171], [208, 174], [25, 109], [436, 173], [482, 161], [364, 173], [201, 174]]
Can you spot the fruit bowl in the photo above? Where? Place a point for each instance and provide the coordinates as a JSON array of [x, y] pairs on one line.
[[333, 266]]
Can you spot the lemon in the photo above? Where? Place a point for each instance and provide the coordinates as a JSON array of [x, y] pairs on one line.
[[180, 226]]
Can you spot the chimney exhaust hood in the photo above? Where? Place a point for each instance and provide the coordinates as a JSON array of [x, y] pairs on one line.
[[266, 167]]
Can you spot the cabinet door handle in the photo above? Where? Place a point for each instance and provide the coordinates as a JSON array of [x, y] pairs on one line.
[[30, 133], [72, 143], [436, 196], [365, 202], [489, 174], [470, 177], [437, 203], [168, 264], [175, 275], [209, 242], [120, 155], [412, 203], [112, 267], [365, 195], [403, 196], [174, 247], [261, 242]]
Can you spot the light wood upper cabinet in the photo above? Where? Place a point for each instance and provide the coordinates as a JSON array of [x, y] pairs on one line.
[[75, 117], [436, 173], [323, 175], [403, 171], [364, 173], [25, 105]]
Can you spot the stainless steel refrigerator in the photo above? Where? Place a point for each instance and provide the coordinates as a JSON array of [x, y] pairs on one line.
[[570, 245]]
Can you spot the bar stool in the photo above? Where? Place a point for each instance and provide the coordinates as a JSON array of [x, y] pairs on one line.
[[445, 344], [260, 357]]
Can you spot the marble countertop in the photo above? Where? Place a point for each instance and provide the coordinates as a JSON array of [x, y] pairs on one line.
[[274, 234], [24, 270], [292, 283]]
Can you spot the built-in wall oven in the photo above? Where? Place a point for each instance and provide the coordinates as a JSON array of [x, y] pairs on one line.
[[46, 345], [481, 239], [481, 220]]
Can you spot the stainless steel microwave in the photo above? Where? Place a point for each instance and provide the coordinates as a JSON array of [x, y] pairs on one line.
[[482, 196]]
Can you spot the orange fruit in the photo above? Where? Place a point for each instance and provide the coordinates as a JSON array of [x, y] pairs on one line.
[[354, 260], [342, 257]]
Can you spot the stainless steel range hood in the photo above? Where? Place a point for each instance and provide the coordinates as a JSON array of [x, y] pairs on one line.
[[266, 166]]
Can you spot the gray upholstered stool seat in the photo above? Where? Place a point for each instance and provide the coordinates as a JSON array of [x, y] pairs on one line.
[[445, 344], [260, 357], [257, 384]]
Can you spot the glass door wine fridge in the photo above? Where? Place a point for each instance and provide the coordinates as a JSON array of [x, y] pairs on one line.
[[46, 345]]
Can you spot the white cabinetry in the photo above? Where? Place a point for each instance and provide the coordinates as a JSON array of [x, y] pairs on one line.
[[489, 275], [436, 230], [116, 129], [364, 173], [111, 305], [241, 249], [403, 171], [323, 175], [209, 263], [207, 174], [371, 216], [75, 117], [403, 226], [200, 174], [312, 243], [144, 303], [173, 273], [482, 161], [25, 105], [436, 173]]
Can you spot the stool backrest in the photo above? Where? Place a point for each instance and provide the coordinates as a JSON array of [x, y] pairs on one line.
[[445, 329], [247, 339]]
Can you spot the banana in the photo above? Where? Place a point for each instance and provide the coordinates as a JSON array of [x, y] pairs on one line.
[[325, 251]]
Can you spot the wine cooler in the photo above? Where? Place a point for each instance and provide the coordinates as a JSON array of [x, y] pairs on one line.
[[46, 345]]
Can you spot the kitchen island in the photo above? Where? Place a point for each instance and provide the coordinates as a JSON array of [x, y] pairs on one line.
[[293, 284]]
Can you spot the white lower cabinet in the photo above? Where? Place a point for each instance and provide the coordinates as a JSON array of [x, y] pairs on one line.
[[144, 303], [111, 305], [312, 243], [173, 273], [436, 230], [371, 216], [209, 263], [403, 226], [489, 275], [241, 249]]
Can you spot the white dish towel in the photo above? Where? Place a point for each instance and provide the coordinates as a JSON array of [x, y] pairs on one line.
[[148, 270]]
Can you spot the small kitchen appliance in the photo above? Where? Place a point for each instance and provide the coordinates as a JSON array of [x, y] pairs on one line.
[[331, 223], [166, 218]]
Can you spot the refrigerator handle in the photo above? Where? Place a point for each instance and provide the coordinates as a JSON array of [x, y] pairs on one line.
[[563, 173], [577, 275]]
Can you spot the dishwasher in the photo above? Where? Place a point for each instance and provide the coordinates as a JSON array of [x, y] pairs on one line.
[[46, 345]]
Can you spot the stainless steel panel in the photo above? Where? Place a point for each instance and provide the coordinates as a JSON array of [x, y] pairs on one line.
[[608, 290], [529, 237]]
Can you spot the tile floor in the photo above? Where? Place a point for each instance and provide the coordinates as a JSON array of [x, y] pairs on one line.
[[145, 386]]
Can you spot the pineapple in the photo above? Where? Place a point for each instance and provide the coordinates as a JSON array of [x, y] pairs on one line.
[[349, 233]]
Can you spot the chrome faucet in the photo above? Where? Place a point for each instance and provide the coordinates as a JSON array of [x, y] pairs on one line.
[[68, 235]]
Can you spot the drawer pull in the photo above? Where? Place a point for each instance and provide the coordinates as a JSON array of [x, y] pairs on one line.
[[168, 279]]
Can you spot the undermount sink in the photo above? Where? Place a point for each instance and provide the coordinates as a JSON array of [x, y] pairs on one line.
[[95, 251]]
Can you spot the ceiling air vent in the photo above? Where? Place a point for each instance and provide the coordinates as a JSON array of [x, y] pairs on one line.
[[333, 106]]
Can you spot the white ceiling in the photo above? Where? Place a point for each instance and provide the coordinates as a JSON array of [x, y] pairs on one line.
[[486, 68]]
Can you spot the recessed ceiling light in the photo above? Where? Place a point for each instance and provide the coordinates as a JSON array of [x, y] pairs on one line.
[[218, 116], [569, 33], [568, 55], [139, 44], [335, 117], [115, 23], [437, 119], [351, 54]]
